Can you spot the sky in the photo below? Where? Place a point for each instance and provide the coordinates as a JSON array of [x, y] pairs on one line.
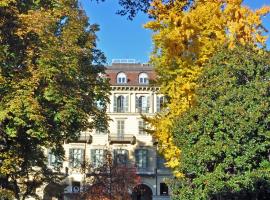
[[120, 38]]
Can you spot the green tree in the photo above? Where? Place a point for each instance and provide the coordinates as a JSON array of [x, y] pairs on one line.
[[51, 84], [225, 137]]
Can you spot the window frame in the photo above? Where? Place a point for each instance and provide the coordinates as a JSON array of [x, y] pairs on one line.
[[121, 78], [120, 103], [143, 103], [161, 101], [54, 160], [120, 128], [142, 126], [123, 155], [141, 158], [97, 157], [76, 160], [143, 78]]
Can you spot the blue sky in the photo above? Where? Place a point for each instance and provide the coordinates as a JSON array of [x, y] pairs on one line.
[[120, 38]]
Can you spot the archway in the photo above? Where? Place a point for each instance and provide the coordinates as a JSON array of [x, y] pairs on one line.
[[142, 192]]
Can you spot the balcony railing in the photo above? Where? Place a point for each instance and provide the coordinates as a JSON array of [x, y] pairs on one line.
[[122, 139], [145, 171], [82, 139]]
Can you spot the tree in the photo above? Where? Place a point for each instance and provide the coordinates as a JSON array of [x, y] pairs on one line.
[[131, 8], [111, 180], [50, 83], [224, 137], [6, 194], [187, 34]]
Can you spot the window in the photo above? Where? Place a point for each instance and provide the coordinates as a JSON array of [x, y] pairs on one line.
[[100, 104], [120, 128], [54, 160], [120, 156], [142, 127], [143, 104], [164, 190], [121, 103], [143, 78], [121, 78], [160, 162], [76, 157], [141, 158], [97, 157], [160, 103], [101, 132]]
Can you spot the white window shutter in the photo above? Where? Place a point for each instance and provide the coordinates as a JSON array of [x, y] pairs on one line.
[[158, 104], [137, 102], [126, 103], [114, 103], [148, 104]]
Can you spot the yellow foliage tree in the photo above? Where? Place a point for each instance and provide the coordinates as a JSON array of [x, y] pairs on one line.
[[186, 34]]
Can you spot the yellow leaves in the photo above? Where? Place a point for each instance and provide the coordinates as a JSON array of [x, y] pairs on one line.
[[153, 25], [4, 3], [36, 21], [9, 163], [263, 11], [184, 42]]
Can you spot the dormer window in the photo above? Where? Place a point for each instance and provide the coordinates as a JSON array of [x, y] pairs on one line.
[[121, 78], [143, 78]]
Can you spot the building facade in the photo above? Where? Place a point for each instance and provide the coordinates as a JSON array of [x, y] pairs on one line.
[[131, 96]]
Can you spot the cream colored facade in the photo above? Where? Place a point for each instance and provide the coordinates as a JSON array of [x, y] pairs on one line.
[[125, 132]]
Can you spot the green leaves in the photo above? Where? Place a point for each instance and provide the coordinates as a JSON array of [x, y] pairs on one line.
[[49, 83], [225, 137]]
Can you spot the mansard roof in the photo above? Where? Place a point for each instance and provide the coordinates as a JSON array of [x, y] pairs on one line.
[[132, 71]]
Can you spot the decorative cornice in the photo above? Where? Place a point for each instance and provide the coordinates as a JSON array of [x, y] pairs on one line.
[[134, 88]]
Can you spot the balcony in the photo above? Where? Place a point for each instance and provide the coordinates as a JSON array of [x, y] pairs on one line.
[[84, 138], [145, 171], [122, 139]]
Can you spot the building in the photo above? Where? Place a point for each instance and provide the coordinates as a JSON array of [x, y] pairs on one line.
[[131, 95]]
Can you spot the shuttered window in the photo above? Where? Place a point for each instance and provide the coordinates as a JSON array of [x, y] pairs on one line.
[[143, 104], [121, 103], [160, 103]]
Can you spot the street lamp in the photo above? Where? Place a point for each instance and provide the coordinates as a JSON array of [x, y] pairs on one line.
[[155, 143]]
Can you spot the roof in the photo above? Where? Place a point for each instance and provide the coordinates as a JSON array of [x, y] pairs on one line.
[[132, 71]]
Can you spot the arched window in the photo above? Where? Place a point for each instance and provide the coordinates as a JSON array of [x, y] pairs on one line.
[[143, 78], [161, 101], [143, 104], [120, 103], [121, 78]]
